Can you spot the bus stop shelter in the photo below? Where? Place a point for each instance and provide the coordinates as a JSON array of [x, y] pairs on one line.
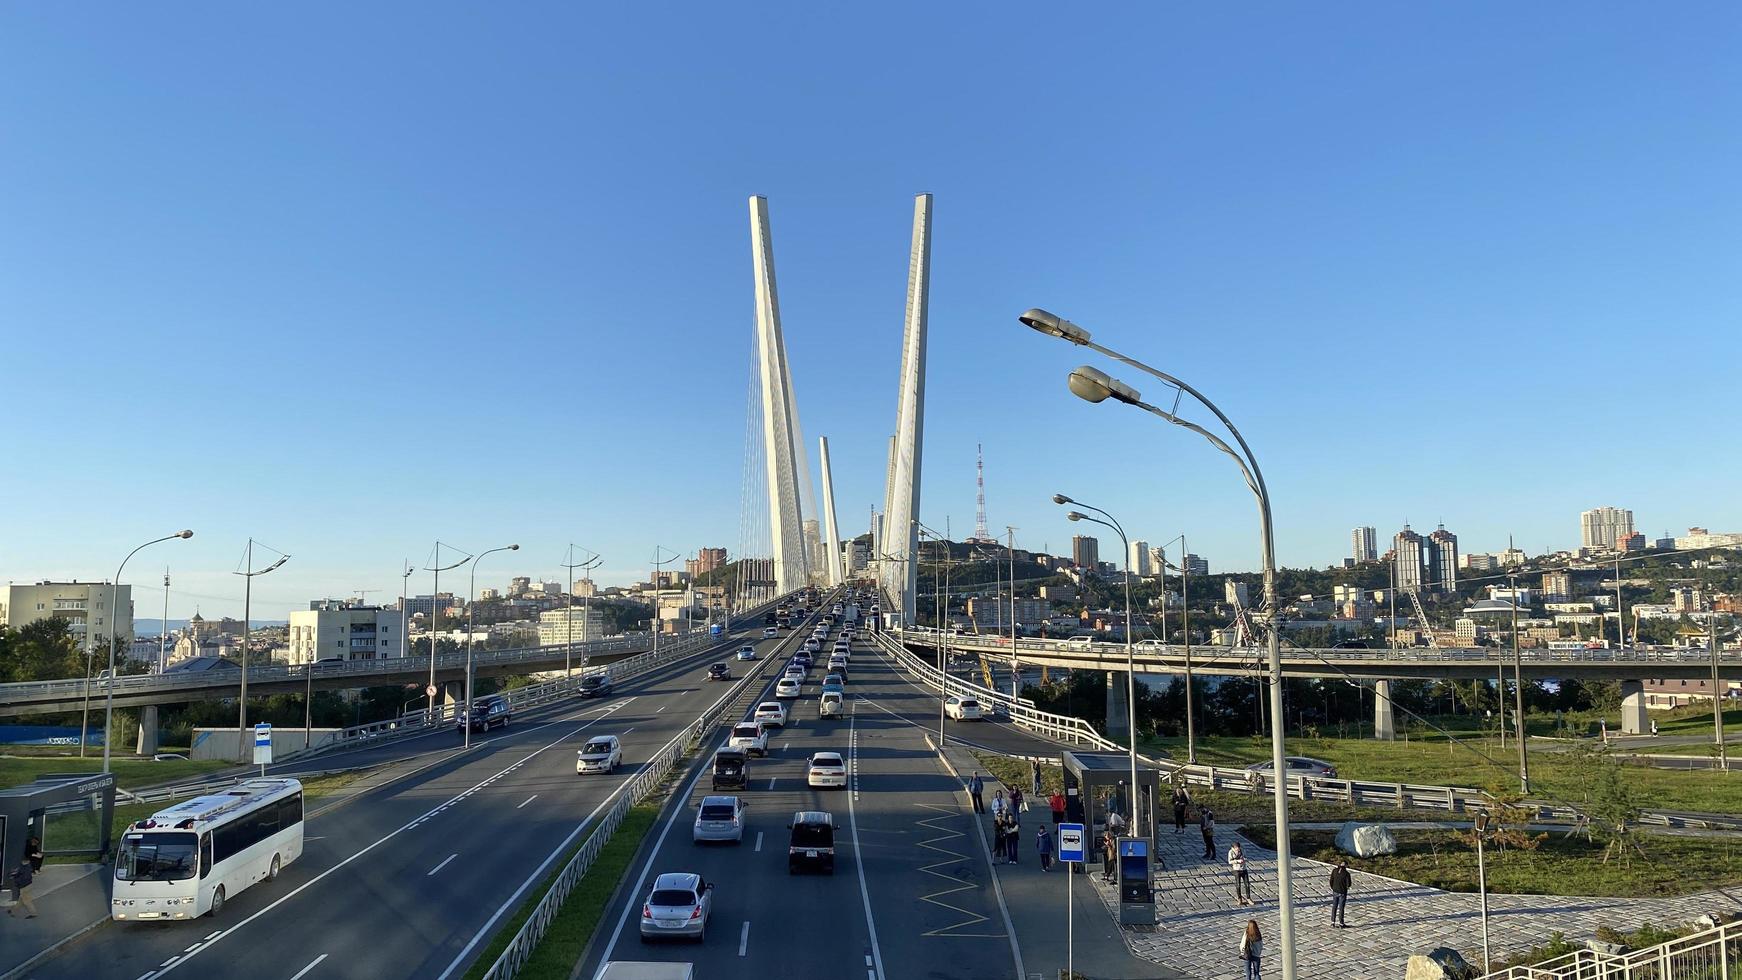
[[1096, 781], [84, 799]]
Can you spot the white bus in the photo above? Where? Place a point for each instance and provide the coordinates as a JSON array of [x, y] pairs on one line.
[[187, 860]]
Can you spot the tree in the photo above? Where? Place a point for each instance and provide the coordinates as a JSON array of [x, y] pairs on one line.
[[1610, 802], [39, 651]]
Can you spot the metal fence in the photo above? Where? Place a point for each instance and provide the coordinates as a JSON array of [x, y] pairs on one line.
[[1715, 954]]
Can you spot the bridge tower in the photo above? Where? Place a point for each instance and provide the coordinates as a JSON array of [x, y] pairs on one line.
[[788, 471], [900, 539], [832, 540]]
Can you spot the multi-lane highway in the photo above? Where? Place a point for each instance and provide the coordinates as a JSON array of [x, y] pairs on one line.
[[409, 880]]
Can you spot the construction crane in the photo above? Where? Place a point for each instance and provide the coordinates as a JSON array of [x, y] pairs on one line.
[[1421, 617]]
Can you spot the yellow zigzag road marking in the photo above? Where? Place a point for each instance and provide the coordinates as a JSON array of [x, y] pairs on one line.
[[973, 918]]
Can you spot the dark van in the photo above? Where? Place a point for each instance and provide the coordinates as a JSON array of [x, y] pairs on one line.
[[487, 713], [812, 845], [731, 769]]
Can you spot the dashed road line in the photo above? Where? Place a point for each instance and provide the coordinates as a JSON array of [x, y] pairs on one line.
[[438, 867], [744, 939], [529, 799], [304, 971]]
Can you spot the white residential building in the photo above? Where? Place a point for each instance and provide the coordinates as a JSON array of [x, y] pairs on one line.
[[94, 605], [1137, 559], [1234, 593], [1604, 527], [555, 625], [330, 629]]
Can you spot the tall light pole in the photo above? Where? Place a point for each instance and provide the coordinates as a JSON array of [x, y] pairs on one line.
[[435, 619], [163, 625], [1718, 691], [1185, 612], [1518, 694], [248, 575], [1015, 664], [657, 565], [942, 636], [114, 594], [569, 607], [1096, 386], [471, 602], [1130, 657]]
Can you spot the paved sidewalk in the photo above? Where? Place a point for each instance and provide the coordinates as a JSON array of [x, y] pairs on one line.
[[70, 898]]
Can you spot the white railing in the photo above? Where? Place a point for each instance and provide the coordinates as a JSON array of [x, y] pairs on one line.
[[652, 776], [1715, 954]]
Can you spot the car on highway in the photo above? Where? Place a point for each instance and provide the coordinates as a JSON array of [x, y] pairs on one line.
[[826, 770], [635, 970], [831, 704], [719, 672], [771, 713], [803, 658], [788, 687], [770, 631], [596, 686], [959, 708], [746, 653], [751, 736], [811, 646], [602, 753], [719, 818], [1298, 765], [677, 908], [487, 713], [812, 842]]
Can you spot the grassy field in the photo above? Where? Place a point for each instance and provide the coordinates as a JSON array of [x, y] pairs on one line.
[[129, 772], [571, 930], [1559, 866]]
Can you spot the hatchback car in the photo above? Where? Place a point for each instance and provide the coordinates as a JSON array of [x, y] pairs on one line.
[[746, 653], [596, 685], [602, 753], [962, 709], [1299, 765], [719, 672], [788, 687], [812, 843], [719, 818], [771, 713], [677, 908], [826, 770]]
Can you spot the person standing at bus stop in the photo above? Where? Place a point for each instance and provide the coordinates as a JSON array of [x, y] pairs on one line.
[[33, 851], [22, 878], [1057, 802]]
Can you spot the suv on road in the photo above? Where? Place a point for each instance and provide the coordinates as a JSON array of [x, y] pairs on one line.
[[812, 843], [596, 686]]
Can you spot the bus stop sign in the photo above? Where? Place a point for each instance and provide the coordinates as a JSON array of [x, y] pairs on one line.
[[1070, 842], [262, 744]]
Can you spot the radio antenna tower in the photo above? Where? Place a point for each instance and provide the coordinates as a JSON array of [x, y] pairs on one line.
[[980, 531]]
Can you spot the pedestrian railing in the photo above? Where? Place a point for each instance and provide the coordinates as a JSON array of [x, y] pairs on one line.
[[1715, 954], [652, 776]]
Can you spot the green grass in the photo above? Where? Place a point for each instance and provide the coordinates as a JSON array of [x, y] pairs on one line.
[[1559, 866], [129, 772], [571, 930]]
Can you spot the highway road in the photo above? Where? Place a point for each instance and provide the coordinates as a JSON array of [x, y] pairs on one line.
[[912, 894], [407, 880]]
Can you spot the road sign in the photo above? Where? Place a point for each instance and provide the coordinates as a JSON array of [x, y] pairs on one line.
[[1070, 842], [429, 690], [262, 744]]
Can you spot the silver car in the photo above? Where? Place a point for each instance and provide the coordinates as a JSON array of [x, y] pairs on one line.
[[677, 908], [719, 818], [1298, 765]]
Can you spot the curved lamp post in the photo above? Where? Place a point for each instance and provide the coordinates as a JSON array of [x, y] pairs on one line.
[[942, 595], [569, 611], [435, 620], [114, 594], [248, 576], [471, 603], [1185, 611], [1093, 385]]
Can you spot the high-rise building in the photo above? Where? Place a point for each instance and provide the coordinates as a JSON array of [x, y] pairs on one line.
[[1604, 526], [578, 624], [1234, 593], [1442, 560], [333, 630], [1406, 548], [1365, 544], [97, 607], [519, 585], [1085, 551], [1137, 559], [1195, 565], [1557, 586]]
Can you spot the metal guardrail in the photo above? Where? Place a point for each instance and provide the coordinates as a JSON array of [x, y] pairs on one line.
[[638, 788], [1715, 954]]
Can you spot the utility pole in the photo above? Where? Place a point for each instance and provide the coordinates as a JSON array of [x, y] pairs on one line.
[[1717, 691], [163, 625]]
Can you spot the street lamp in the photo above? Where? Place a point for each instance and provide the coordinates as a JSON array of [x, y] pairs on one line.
[[248, 575], [1185, 612], [471, 611], [1482, 882], [1096, 386], [657, 565], [1130, 659], [942, 636], [435, 619], [114, 595], [569, 610]]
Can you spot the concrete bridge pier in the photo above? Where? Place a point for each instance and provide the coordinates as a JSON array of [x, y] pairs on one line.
[[1117, 710], [1384, 718], [1634, 718], [148, 730]]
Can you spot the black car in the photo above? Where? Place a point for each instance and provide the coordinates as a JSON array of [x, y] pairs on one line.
[[719, 672], [595, 685], [487, 713], [812, 845]]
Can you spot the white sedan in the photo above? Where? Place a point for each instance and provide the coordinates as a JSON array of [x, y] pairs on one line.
[[770, 713], [827, 769], [746, 653], [962, 709], [788, 687]]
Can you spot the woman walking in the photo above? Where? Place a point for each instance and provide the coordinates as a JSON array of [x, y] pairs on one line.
[[1057, 803], [1011, 840], [1252, 948], [1043, 846]]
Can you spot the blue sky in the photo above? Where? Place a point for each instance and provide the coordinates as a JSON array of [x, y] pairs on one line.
[[349, 278]]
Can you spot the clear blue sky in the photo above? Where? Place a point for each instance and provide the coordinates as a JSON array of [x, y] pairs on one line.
[[351, 277]]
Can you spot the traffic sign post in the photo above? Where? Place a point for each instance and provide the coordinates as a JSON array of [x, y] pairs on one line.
[[262, 746], [1071, 853]]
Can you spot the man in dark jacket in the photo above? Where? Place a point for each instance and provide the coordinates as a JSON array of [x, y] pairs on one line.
[[976, 786], [22, 877], [1340, 881], [1207, 824], [33, 851]]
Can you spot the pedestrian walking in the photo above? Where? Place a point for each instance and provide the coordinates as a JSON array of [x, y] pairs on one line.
[[1252, 948], [975, 787], [999, 804], [1057, 803], [1242, 879], [33, 851], [1016, 802], [1207, 824], [1011, 840], [1341, 879], [1109, 855], [1043, 846], [1181, 800], [22, 877], [1036, 766]]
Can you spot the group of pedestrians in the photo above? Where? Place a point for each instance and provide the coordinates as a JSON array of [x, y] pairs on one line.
[[22, 876]]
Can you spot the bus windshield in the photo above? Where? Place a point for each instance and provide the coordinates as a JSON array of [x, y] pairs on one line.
[[156, 857]]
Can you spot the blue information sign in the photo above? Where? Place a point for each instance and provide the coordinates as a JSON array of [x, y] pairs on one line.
[[1070, 842]]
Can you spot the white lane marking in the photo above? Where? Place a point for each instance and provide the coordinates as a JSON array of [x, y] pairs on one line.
[[306, 839], [759, 840], [744, 939], [147, 975], [216, 932], [628, 730], [192, 948], [432, 871], [304, 971], [529, 799], [662, 708], [770, 782], [392, 834], [876, 971], [167, 962]]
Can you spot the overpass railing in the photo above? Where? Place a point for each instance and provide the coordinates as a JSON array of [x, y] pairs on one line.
[[1715, 954]]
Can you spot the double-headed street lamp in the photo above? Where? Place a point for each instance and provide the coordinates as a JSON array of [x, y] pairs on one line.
[[1130, 659], [471, 610], [1096, 386], [569, 610], [435, 619], [942, 636], [657, 565], [114, 614], [1185, 612], [248, 575]]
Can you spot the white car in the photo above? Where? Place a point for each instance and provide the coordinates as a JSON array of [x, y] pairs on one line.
[[769, 632], [746, 653], [788, 687], [962, 709], [771, 713], [678, 908], [811, 646], [719, 818], [602, 753], [751, 736], [826, 769]]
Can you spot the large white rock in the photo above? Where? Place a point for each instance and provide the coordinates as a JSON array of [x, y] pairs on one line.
[[1366, 840], [1441, 964]]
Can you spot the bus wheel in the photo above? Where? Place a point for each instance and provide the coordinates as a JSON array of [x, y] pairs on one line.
[[217, 901], [272, 875]]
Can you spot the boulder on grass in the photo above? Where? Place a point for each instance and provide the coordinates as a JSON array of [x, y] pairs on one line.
[[1365, 840], [1440, 964]]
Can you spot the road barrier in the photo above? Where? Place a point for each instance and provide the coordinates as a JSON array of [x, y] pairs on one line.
[[1715, 954]]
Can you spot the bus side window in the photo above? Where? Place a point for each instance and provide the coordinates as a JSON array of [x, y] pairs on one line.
[[205, 855]]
